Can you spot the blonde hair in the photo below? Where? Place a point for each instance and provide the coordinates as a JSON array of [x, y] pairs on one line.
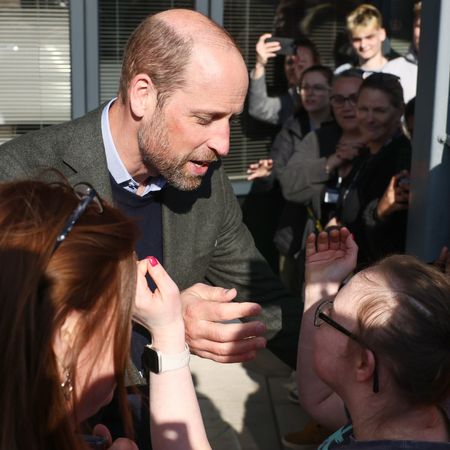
[[363, 16]]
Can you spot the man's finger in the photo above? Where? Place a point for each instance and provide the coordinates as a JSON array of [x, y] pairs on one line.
[[226, 332], [220, 312], [226, 359], [215, 294], [228, 348]]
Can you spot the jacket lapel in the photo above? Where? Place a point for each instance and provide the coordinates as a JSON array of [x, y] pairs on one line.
[[85, 154]]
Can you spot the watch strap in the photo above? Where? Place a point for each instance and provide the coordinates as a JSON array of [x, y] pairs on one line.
[[168, 362]]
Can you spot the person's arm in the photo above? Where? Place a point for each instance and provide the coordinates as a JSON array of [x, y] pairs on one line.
[[330, 258], [175, 417], [260, 105], [305, 173], [236, 263], [384, 218]]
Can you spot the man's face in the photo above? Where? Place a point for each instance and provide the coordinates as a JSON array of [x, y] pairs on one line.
[[368, 41], [192, 129]]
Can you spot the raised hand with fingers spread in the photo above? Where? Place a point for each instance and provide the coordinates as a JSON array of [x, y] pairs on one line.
[[261, 169]]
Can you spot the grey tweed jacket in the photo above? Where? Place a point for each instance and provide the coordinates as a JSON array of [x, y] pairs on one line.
[[204, 239]]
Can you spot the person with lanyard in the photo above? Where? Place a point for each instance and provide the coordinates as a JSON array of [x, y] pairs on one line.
[[373, 202]]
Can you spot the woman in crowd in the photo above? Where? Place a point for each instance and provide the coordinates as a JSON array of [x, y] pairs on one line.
[[276, 110], [374, 360], [69, 286], [314, 173], [314, 92], [378, 218]]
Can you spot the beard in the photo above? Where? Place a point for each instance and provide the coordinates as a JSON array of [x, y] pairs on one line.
[[155, 151]]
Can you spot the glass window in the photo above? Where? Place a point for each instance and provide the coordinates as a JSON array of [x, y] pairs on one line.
[[35, 70], [117, 20]]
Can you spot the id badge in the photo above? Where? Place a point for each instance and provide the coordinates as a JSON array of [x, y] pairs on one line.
[[331, 196]]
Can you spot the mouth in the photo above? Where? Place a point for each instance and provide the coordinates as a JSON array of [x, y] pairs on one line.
[[199, 167]]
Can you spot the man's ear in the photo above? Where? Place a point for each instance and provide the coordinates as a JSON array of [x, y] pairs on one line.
[[382, 34], [365, 367], [142, 95]]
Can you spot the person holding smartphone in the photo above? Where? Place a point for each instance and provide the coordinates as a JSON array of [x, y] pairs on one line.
[[275, 110]]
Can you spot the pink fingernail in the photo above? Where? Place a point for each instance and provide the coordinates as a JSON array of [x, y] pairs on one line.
[[152, 260]]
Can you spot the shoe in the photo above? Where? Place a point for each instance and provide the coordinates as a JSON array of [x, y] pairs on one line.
[[309, 438]]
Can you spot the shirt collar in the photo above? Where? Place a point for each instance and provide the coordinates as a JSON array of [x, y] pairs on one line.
[[115, 165]]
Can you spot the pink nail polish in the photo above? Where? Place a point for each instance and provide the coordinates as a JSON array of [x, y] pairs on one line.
[[152, 260]]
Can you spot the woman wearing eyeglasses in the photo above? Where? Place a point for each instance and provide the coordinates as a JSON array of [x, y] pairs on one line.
[[314, 92], [69, 287], [373, 359], [373, 205]]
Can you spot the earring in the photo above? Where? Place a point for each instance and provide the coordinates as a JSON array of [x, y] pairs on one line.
[[66, 385]]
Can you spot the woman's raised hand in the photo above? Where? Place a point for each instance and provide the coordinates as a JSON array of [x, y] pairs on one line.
[[330, 256], [160, 311]]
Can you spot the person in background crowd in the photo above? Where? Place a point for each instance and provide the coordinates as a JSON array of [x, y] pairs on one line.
[[409, 118], [311, 179], [314, 92], [405, 67], [378, 218], [366, 34], [314, 172], [276, 110], [69, 286], [373, 356]]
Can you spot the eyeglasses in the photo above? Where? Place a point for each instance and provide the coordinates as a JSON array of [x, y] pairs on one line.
[[314, 88], [340, 100], [320, 317], [87, 194]]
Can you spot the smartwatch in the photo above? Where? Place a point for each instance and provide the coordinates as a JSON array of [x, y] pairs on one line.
[[155, 361]]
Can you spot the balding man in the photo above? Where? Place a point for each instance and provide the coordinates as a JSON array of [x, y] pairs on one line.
[[155, 152]]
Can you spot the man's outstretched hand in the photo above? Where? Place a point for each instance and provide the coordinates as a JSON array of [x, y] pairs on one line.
[[205, 308]]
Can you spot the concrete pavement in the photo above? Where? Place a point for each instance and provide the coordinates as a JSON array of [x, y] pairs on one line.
[[245, 406]]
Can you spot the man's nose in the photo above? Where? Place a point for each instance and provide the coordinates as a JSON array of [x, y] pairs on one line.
[[220, 140]]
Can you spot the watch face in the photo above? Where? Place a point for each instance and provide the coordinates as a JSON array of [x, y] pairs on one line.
[[151, 360]]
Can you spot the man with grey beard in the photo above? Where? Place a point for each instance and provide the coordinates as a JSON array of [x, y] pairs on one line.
[[155, 152]]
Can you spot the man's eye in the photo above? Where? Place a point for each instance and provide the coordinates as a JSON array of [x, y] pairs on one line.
[[203, 120]]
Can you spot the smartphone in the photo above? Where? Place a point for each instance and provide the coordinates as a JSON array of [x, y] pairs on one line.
[[287, 45], [404, 180], [97, 442]]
